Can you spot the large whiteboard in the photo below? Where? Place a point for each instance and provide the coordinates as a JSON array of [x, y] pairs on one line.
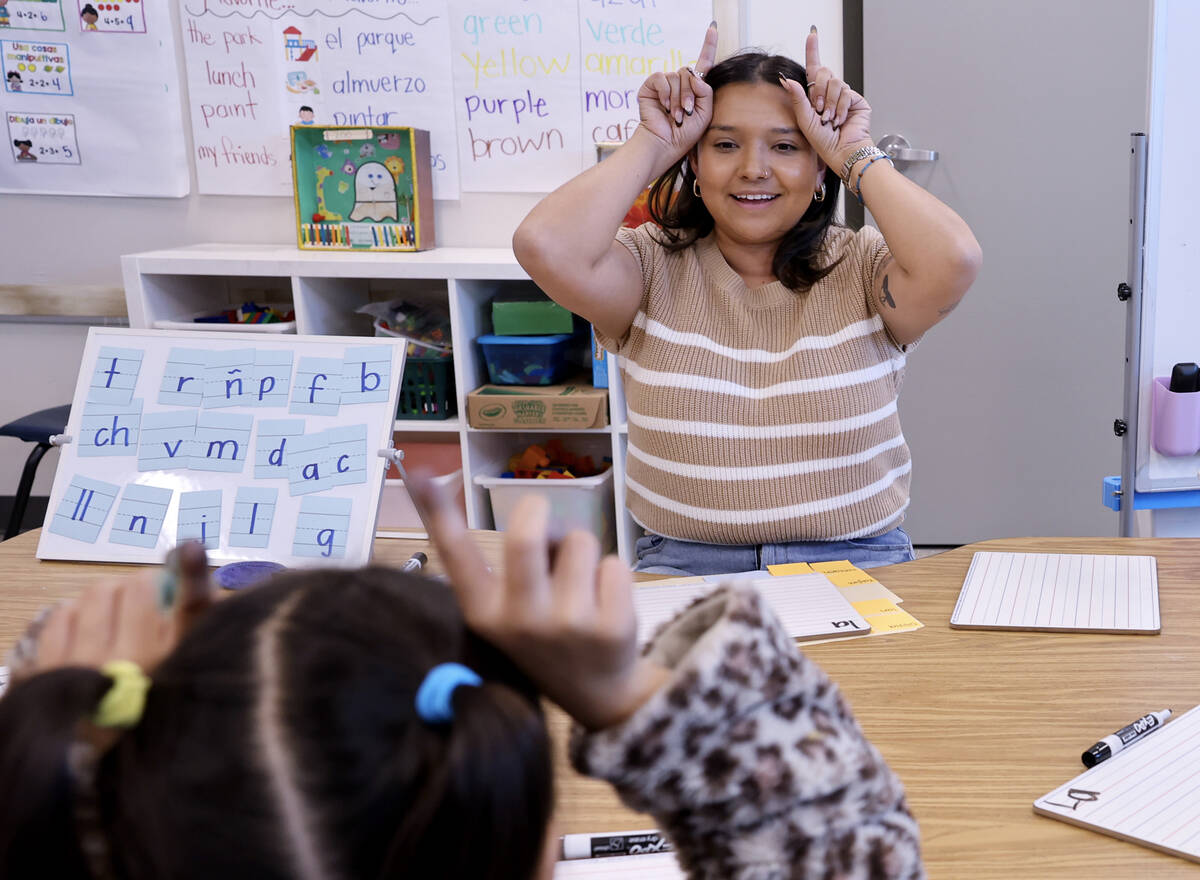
[[260, 446], [91, 99], [1171, 276]]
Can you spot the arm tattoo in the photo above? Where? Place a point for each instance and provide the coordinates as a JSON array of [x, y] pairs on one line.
[[886, 296]]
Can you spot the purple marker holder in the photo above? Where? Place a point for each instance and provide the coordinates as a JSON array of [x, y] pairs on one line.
[[1174, 420]]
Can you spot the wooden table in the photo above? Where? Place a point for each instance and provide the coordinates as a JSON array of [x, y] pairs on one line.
[[977, 724]]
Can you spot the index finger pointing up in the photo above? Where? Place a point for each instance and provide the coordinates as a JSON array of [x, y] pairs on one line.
[[708, 52], [812, 56]]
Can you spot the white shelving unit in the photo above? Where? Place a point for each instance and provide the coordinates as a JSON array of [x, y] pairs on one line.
[[326, 288]]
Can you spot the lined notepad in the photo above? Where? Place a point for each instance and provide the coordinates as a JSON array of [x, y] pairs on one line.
[[1060, 591], [1148, 793], [650, 866], [809, 606]]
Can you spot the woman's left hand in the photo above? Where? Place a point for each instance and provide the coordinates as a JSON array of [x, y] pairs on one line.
[[835, 119]]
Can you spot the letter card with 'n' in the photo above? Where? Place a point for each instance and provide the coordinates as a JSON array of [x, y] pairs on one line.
[[257, 446]]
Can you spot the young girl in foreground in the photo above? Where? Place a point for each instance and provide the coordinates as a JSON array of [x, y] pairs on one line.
[[368, 724], [761, 346]]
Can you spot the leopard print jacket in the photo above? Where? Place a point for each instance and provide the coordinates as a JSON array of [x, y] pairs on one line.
[[750, 759]]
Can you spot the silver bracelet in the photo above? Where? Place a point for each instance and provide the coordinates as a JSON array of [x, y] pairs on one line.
[[858, 155]]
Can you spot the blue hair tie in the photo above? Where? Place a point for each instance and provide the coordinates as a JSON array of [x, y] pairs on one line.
[[437, 690]]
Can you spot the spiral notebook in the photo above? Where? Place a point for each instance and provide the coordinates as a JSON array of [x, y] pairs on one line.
[[1060, 592], [1148, 793]]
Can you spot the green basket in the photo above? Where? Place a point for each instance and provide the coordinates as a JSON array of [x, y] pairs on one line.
[[427, 389]]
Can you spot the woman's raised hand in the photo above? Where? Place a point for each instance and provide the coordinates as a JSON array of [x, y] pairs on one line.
[[677, 107], [568, 624], [835, 119]]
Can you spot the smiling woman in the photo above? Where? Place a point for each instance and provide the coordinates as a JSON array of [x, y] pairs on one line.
[[762, 346]]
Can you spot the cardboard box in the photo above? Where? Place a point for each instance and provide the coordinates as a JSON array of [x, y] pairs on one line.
[[362, 188], [537, 406]]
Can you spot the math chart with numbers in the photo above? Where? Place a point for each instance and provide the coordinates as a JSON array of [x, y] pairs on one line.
[[91, 100], [257, 446]]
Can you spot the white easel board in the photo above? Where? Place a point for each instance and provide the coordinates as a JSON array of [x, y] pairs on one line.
[[1063, 592], [1148, 793], [262, 447]]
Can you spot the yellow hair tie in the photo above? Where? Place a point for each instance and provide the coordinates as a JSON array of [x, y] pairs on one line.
[[122, 705]]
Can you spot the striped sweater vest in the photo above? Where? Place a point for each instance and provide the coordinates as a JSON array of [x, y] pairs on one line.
[[761, 416]]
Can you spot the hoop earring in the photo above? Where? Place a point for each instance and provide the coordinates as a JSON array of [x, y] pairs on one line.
[[696, 187], [819, 194]]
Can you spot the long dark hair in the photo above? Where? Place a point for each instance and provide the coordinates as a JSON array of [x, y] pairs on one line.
[[684, 218], [284, 724]]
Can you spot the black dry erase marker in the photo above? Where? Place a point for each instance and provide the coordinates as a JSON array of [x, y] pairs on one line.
[[415, 562], [1185, 378], [1131, 733], [624, 843]]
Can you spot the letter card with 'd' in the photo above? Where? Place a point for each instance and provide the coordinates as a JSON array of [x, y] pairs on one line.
[[264, 449]]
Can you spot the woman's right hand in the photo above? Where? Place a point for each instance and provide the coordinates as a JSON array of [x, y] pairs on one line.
[[677, 107]]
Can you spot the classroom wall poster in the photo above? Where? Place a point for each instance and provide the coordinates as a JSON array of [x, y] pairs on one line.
[[253, 71], [537, 84], [91, 99], [113, 17], [34, 67], [31, 15], [44, 138]]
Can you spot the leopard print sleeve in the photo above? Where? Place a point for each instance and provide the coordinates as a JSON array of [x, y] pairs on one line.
[[751, 759]]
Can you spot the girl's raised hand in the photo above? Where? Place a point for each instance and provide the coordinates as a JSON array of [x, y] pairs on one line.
[[568, 624], [677, 107], [835, 119], [139, 617]]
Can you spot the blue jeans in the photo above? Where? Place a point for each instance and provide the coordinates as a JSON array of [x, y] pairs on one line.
[[659, 555]]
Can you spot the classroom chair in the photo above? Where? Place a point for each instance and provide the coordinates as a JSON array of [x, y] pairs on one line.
[[36, 428]]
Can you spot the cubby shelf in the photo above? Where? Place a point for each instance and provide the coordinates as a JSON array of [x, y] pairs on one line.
[[325, 289]]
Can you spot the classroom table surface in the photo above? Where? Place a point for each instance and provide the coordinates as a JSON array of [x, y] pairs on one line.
[[977, 724]]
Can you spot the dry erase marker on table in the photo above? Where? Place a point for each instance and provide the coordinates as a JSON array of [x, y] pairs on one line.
[[624, 843], [415, 562], [1127, 735]]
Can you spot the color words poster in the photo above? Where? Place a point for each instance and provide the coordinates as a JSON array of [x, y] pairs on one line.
[[539, 83], [45, 138], [36, 67], [256, 69], [31, 15]]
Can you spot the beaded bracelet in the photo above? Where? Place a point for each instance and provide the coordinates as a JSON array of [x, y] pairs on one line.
[[858, 183]]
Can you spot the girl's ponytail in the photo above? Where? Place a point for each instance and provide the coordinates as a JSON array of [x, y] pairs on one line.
[[484, 811], [40, 720]]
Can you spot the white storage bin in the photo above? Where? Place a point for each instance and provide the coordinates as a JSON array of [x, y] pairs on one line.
[[582, 503], [186, 323], [396, 508]]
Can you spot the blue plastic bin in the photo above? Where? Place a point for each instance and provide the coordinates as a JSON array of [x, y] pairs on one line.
[[525, 360]]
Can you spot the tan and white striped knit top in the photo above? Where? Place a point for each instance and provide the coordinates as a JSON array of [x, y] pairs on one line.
[[761, 416]]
